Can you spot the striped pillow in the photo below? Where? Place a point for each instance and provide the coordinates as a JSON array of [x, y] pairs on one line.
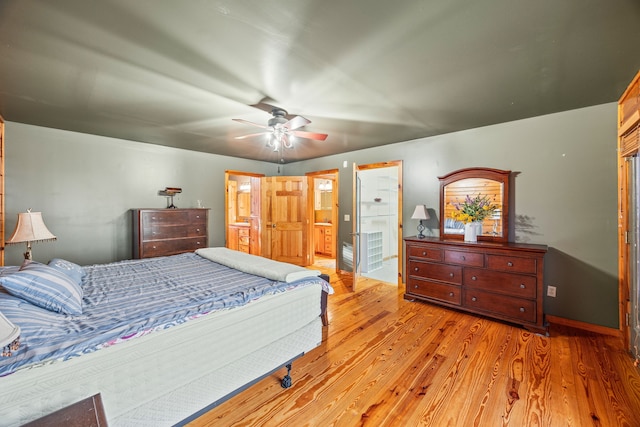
[[74, 271], [45, 287]]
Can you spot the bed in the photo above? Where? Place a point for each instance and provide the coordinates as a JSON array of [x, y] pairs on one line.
[[162, 340]]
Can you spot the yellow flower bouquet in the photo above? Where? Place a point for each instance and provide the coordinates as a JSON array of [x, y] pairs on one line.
[[473, 209]]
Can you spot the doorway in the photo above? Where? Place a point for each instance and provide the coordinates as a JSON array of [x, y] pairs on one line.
[[242, 211], [324, 185], [378, 217]]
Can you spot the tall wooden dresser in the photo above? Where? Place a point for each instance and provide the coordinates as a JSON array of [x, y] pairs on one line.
[[499, 280], [161, 232]]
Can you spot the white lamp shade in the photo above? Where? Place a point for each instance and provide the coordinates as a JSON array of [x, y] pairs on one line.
[[420, 212], [30, 228]]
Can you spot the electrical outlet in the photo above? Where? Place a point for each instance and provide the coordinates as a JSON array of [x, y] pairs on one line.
[[551, 291]]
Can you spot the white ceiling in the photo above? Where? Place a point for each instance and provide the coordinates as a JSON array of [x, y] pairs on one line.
[[366, 72]]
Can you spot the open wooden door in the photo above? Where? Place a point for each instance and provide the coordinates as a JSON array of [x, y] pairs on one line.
[[355, 233], [629, 215], [289, 224], [243, 213]]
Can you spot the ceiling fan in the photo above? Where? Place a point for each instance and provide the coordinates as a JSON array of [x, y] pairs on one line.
[[282, 127]]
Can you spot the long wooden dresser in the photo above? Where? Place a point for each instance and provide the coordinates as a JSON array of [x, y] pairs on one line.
[[498, 280], [161, 232]]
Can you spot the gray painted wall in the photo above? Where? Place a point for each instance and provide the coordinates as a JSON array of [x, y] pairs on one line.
[[85, 186], [565, 195], [565, 192]]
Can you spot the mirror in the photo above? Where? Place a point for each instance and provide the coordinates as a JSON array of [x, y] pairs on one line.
[[322, 193], [491, 187]]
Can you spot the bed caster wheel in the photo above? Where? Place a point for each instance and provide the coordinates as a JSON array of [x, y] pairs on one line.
[[286, 381]]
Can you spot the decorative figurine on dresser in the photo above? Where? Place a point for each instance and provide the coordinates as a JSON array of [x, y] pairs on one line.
[[490, 276]]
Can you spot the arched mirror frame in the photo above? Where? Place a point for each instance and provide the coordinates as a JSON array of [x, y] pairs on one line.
[[500, 176]]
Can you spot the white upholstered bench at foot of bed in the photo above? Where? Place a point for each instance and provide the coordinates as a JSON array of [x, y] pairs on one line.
[[164, 377]]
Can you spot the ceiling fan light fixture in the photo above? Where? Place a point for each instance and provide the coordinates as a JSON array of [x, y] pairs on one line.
[[282, 129]]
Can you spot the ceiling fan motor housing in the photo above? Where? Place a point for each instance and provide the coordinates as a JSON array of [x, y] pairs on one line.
[[277, 120], [278, 117]]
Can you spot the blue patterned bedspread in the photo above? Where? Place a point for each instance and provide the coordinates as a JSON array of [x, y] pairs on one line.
[[131, 298]]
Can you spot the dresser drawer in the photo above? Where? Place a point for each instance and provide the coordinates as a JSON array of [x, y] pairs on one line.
[[518, 285], [464, 258], [154, 232], [511, 263], [172, 246], [168, 216], [198, 216], [437, 291], [442, 272], [514, 308], [433, 254]]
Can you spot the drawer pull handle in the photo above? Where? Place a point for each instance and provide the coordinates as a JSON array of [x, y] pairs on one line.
[[424, 253], [474, 278], [474, 299], [463, 258], [509, 264], [450, 294], [522, 286], [197, 229], [416, 287], [416, 269], [450, 274], [521, 309]]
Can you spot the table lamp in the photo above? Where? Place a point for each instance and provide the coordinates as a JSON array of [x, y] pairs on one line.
[[420, 213], [30, 228]]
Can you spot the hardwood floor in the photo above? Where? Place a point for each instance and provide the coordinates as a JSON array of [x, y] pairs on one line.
[[385, 361]]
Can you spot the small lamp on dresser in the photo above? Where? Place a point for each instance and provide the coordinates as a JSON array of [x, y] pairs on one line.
[[30, 228], [421, 214]]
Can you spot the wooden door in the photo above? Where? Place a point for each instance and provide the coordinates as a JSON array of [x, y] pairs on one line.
[[255, 241], [289, 222], [250, 209], [355, 233], [628, 146]]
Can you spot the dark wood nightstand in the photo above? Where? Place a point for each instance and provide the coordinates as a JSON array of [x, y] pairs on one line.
[[85, 413]]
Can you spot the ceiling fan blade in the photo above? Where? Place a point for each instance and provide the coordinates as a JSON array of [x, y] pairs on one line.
[[247, 122], [296, 122], [265, 106], [310, 135], [251, 135]]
